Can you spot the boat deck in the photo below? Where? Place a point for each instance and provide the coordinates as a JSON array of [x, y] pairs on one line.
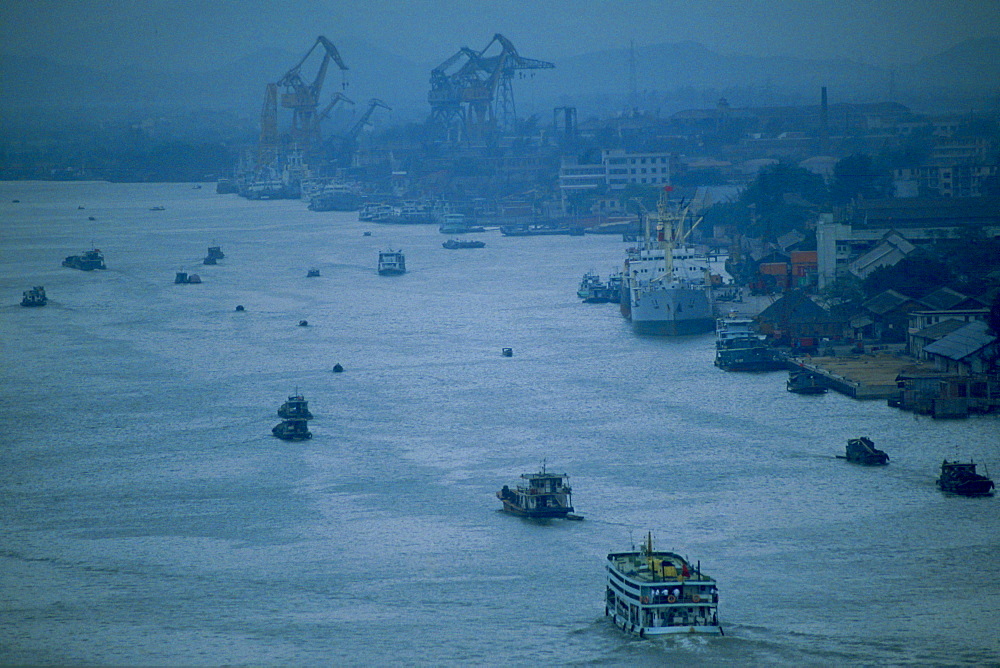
[[657, 567]]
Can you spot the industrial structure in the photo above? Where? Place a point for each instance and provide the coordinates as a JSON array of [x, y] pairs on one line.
[[471, 95]]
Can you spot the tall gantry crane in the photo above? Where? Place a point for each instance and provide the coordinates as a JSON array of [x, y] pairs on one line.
[[303, 98], [473, 90]]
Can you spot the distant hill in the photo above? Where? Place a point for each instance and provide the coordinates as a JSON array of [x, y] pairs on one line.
[[669, 76]]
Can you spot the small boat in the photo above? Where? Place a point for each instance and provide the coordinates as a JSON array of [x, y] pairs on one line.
[[215, 252], [961, 478], [455, 243], [90, 260], [593, 290], [35, 297], [391, 263], [652, 593], [614, 285], [157, 208], [801, 381], [292, 430], [863, 451], [739, 347], [295, 408], [312, 273], [183, 277], [544, 495]]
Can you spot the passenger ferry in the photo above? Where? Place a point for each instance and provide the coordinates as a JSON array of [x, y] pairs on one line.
[[391, 263], [652, 593]]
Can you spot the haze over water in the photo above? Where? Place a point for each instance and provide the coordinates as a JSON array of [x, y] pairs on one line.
[[149, 517]]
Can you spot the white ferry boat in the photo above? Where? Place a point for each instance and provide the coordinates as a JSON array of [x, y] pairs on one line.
[[391, 263], [667, 288], [652, 593]]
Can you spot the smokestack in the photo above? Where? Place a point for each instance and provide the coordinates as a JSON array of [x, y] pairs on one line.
[[823, 128]]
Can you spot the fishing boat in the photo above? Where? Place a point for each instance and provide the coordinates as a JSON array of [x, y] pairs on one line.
[[292, 430], [455, 243], [391, 263], [863, 451], [34, 297], [667, 282], [803, 381], [88, 261], [652, 593], [295, 408], [542, 495], [961, 478], [738, 346]]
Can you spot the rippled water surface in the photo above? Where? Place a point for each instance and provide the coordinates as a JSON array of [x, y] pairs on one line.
[[149, 517]]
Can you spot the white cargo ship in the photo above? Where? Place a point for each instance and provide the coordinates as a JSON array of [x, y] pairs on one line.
[[666, 284]]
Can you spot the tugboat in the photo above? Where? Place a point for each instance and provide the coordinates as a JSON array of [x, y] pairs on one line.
[[455, 243], [863, 451], [292, 430], [295, 408], [961, 478], [546, 495], [391, 263], [652, 593], [90, 260], [802, 381], [35, 297]]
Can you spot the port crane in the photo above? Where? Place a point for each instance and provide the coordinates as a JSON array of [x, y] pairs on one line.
[[345, 146], [473, 90], [303, 98]]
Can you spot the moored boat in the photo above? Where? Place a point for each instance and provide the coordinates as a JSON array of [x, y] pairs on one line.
[[593, 290], [863, 451], [34, 297], [89, 260], [543, 495], [653, 593], [391, 263], [738, 347], [962, 478], [667, 289], [803, 381]]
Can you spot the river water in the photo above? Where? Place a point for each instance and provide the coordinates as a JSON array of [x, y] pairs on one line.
[[149, 517]]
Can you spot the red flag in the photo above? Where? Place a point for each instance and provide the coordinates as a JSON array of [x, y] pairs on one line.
[[668, 189]]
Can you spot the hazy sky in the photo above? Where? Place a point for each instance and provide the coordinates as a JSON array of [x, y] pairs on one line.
[[202, 34]]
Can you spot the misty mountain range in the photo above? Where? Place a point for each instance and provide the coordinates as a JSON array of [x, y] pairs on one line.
[[668, 77]]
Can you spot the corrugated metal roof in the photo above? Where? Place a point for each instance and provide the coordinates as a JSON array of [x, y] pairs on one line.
[[940, 329], [962, 342], [943, 299]]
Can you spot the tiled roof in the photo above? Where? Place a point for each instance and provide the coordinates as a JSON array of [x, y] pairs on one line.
[[943, 299], [962, 342], [940, 329], [885, 301]]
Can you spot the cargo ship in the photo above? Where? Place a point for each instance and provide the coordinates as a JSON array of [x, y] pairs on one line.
[[652, 593], [667, 287], [89, 261]]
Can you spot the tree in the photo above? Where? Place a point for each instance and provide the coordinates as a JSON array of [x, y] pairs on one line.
[[856, 176]]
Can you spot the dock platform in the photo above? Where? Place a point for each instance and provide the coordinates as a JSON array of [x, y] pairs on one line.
[[869, 376]]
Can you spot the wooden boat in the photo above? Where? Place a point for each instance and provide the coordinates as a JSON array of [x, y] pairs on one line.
[[863, 451], [961, 478]]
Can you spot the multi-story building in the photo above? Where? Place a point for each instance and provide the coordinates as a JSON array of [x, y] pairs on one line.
[[617, 170]]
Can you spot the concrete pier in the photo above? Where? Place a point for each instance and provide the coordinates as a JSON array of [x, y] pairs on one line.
[[871, 376]]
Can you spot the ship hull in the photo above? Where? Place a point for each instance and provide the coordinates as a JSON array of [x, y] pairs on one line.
[[544, 513], [670, 311], [651, 631]]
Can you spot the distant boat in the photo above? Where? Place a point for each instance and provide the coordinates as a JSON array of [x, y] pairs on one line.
[[35, 297], [455, 243], [961, 478], [312, 273], [295, 408], [391, 263], [292, 430], [90, 260], [863, 451], [157, 208], [183, 277]]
